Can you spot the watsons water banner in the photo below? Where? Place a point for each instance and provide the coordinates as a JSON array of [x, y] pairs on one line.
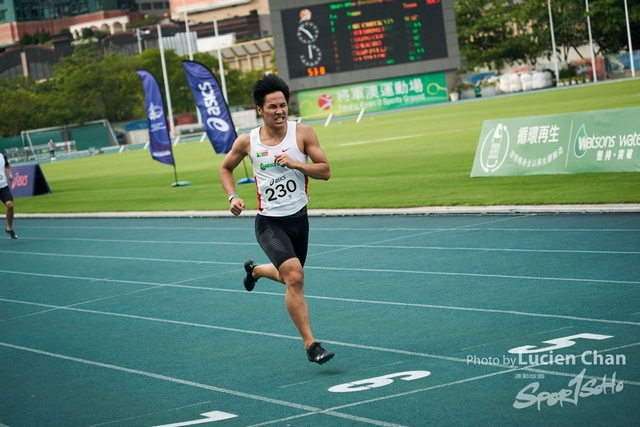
[[594, 141], [159, 139], [212, 106]]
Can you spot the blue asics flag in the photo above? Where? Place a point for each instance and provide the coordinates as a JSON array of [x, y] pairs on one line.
[[213, 108], [159, 139]]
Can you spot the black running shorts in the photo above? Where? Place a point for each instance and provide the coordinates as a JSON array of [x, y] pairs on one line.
[[283, 238], [5, 195]]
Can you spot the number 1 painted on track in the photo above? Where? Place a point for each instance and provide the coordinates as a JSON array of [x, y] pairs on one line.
[[210, 417]]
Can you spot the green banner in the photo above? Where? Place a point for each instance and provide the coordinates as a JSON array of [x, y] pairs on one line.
[[594, 141], [374, 95]]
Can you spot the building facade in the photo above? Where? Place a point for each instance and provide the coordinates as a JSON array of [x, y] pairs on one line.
[[18, 17], [201, 11], [246, 22]]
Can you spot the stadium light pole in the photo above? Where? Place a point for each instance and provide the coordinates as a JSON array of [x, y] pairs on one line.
[[139, 42], [224, 85], [138, 32], [186, 23], [166, 81], [553, 42], [593, 59], [626, 13]]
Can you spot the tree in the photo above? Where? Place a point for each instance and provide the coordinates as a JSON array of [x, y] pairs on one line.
[[609, 26], [493, 33], [39, 37], [91, 85], [19, 106], [97, 86]]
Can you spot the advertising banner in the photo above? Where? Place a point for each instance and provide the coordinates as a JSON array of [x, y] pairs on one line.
[[28, 180], [212, 106], [159, 139], [593, 141], [376, 95]]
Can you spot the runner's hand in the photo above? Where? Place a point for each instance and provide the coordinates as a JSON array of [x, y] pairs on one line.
[[237, 206], [285, 161]]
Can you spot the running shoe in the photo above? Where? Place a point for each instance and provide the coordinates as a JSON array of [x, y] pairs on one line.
[[249, 281], [12, 234], [317, 354]]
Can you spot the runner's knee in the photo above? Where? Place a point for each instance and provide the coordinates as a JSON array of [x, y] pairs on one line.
[[293, 274]]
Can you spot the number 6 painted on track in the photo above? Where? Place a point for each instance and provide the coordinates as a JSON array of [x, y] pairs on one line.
[[382, 381], [557, 343]]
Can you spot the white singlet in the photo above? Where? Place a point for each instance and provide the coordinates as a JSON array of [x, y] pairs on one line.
[[4, 182], [281, 191]]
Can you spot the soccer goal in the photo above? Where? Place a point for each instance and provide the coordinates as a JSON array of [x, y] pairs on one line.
[[68, 139]]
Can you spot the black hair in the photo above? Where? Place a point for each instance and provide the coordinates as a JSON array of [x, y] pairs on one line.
[[269, 83]]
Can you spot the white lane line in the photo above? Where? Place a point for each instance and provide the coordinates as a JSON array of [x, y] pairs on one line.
[[417, 235], [552, 330], [377, 229], [365, 270], [150, 413], [161, 377], [321, 245], [236, 393], [480, 249], [93, 279], [172, 242], [495, 276], [391, 303], [297, 338], [357, 229], [146, 242], [394, 138], [175, 284], [434, 387], [125, 258], [311, 410], [480, 310], [79, 303], [506, 339]]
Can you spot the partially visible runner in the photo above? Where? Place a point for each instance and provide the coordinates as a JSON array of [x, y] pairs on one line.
[[279, 152], [6, 175]]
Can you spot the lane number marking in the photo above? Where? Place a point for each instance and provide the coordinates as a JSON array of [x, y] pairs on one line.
[[558, 343], [376, 382], [209, 417]]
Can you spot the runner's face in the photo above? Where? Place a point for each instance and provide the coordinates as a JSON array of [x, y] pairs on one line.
[[274, 110]]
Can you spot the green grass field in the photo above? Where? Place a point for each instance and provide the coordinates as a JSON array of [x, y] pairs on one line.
[[429, 166]]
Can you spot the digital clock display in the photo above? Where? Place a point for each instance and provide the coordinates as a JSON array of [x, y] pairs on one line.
[[361, 35]]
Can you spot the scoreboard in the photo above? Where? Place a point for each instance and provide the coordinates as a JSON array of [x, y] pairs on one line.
[[348, 36], [320, 43]]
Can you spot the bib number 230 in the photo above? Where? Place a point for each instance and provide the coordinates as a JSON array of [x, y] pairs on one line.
[[280, 190]]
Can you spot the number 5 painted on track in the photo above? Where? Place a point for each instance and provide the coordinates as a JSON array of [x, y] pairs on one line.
[[382, 381], [557, 343]]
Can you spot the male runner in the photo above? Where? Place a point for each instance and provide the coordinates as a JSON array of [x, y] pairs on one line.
[[279, 151], [5, 193]]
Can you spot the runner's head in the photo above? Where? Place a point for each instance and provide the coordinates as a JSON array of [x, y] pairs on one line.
[[267, 84]]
